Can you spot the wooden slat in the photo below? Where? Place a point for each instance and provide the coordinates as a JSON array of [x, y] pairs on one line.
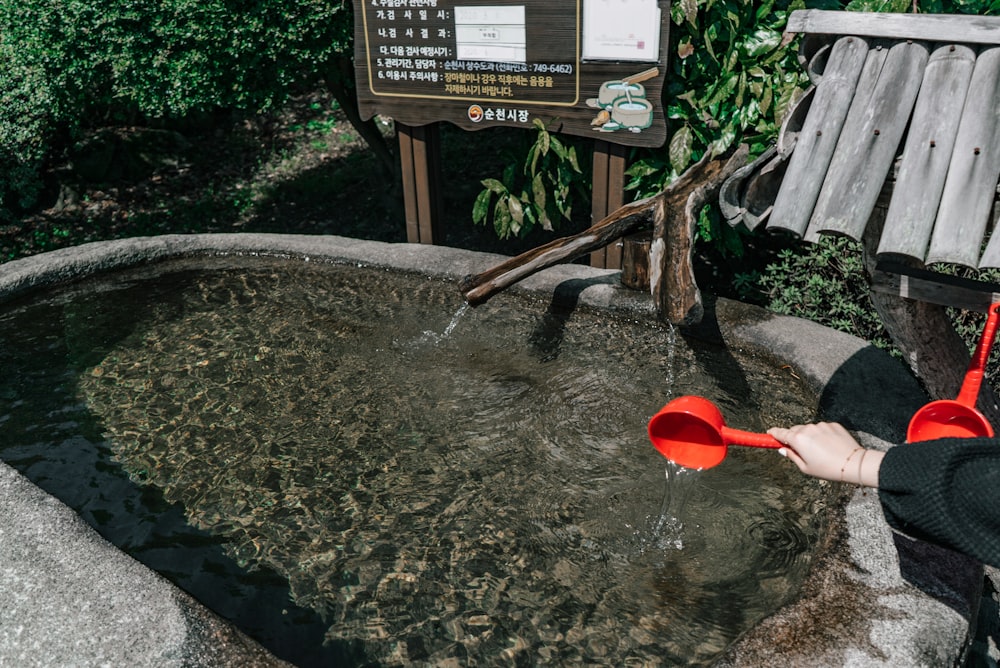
[[870, 139], [420, 161], [816, 143], [423, 175], [792, 124], [812, 55], [967, 200], [616, 199], [934, 288], [608, 196], [929, 144], [404, 135], [928, 27]]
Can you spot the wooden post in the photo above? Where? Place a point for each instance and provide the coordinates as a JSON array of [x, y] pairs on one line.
[[608, 196], [635, 260], [420, 159]]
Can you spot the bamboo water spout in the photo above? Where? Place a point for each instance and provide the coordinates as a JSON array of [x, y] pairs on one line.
[[672, 214]]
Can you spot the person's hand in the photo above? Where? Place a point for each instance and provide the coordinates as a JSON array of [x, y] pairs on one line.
[[827, 450]]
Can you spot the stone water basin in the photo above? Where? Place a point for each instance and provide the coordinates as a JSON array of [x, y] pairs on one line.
[[475, 486]]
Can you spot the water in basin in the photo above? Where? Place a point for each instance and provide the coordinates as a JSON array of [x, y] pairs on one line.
[[363, 463]]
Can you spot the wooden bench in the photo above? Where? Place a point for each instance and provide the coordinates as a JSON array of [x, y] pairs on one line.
[[896, 145], [904, 113]]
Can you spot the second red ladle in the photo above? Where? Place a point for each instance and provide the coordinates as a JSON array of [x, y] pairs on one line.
[[959, 418], [690, 432]]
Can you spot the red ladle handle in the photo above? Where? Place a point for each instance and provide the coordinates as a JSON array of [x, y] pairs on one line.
[[969, 393], [749, 438]]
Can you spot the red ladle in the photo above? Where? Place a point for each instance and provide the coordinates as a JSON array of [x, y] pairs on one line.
[[959, 418], [691, 432]]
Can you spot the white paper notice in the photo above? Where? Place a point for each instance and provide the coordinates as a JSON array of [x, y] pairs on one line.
[[621, 30], [494, 34]]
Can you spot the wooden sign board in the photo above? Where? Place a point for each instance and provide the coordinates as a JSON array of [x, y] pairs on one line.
[[591, 68]]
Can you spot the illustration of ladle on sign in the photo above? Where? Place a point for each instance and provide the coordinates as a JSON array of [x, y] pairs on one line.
[[623, 104]]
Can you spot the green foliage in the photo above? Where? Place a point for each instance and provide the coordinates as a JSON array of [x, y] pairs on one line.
[[25, 128], [733, 77], [824, 282], [726, 239], [73, 64], [539, 193]]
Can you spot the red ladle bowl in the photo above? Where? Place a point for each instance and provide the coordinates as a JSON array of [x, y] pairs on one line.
[[959, 418], [690, 432]]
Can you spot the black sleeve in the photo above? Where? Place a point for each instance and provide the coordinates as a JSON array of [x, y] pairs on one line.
[[946, 492]]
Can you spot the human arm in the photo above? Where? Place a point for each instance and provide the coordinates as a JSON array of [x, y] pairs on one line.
[[945, 491], [827, 450]]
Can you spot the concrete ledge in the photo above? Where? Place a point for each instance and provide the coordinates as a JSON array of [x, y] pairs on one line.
[[70, 598], [872, 598]]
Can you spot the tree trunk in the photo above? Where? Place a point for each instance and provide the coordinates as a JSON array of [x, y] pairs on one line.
[[478, 288], [340, 82], [671, 268], [673, 214]]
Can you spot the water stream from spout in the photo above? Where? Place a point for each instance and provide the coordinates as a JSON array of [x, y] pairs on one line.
[[454, 320], [435, 338], [678, 481]]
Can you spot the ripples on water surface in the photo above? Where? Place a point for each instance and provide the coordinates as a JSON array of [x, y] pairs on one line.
[[439, 485]]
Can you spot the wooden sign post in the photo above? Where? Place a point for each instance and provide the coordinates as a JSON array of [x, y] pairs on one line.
[[591, 68]]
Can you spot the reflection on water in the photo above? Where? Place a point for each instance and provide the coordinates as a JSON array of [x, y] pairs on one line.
[[432, 497]]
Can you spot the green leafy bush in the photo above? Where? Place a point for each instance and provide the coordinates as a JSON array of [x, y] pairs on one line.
[[733, 76], [824, 282], [26, 101], [73, 64], [536, 192]]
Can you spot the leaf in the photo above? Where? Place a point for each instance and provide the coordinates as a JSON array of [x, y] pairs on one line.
[[531, 159], [538, 192], [765, 100], [481, 208], [724, 89], [557, 147], [786, 101], [709, 39], [690, 9], [516, 210], [508, 173], [543, 141], [719, 146], [572, 160], [494, 186], [501, 219], [681, 145]]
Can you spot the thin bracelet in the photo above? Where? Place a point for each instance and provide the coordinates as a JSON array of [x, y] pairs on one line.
[[847, 461], [861, 463]]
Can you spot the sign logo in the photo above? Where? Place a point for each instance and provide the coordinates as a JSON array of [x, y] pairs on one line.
[[475, 113]]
